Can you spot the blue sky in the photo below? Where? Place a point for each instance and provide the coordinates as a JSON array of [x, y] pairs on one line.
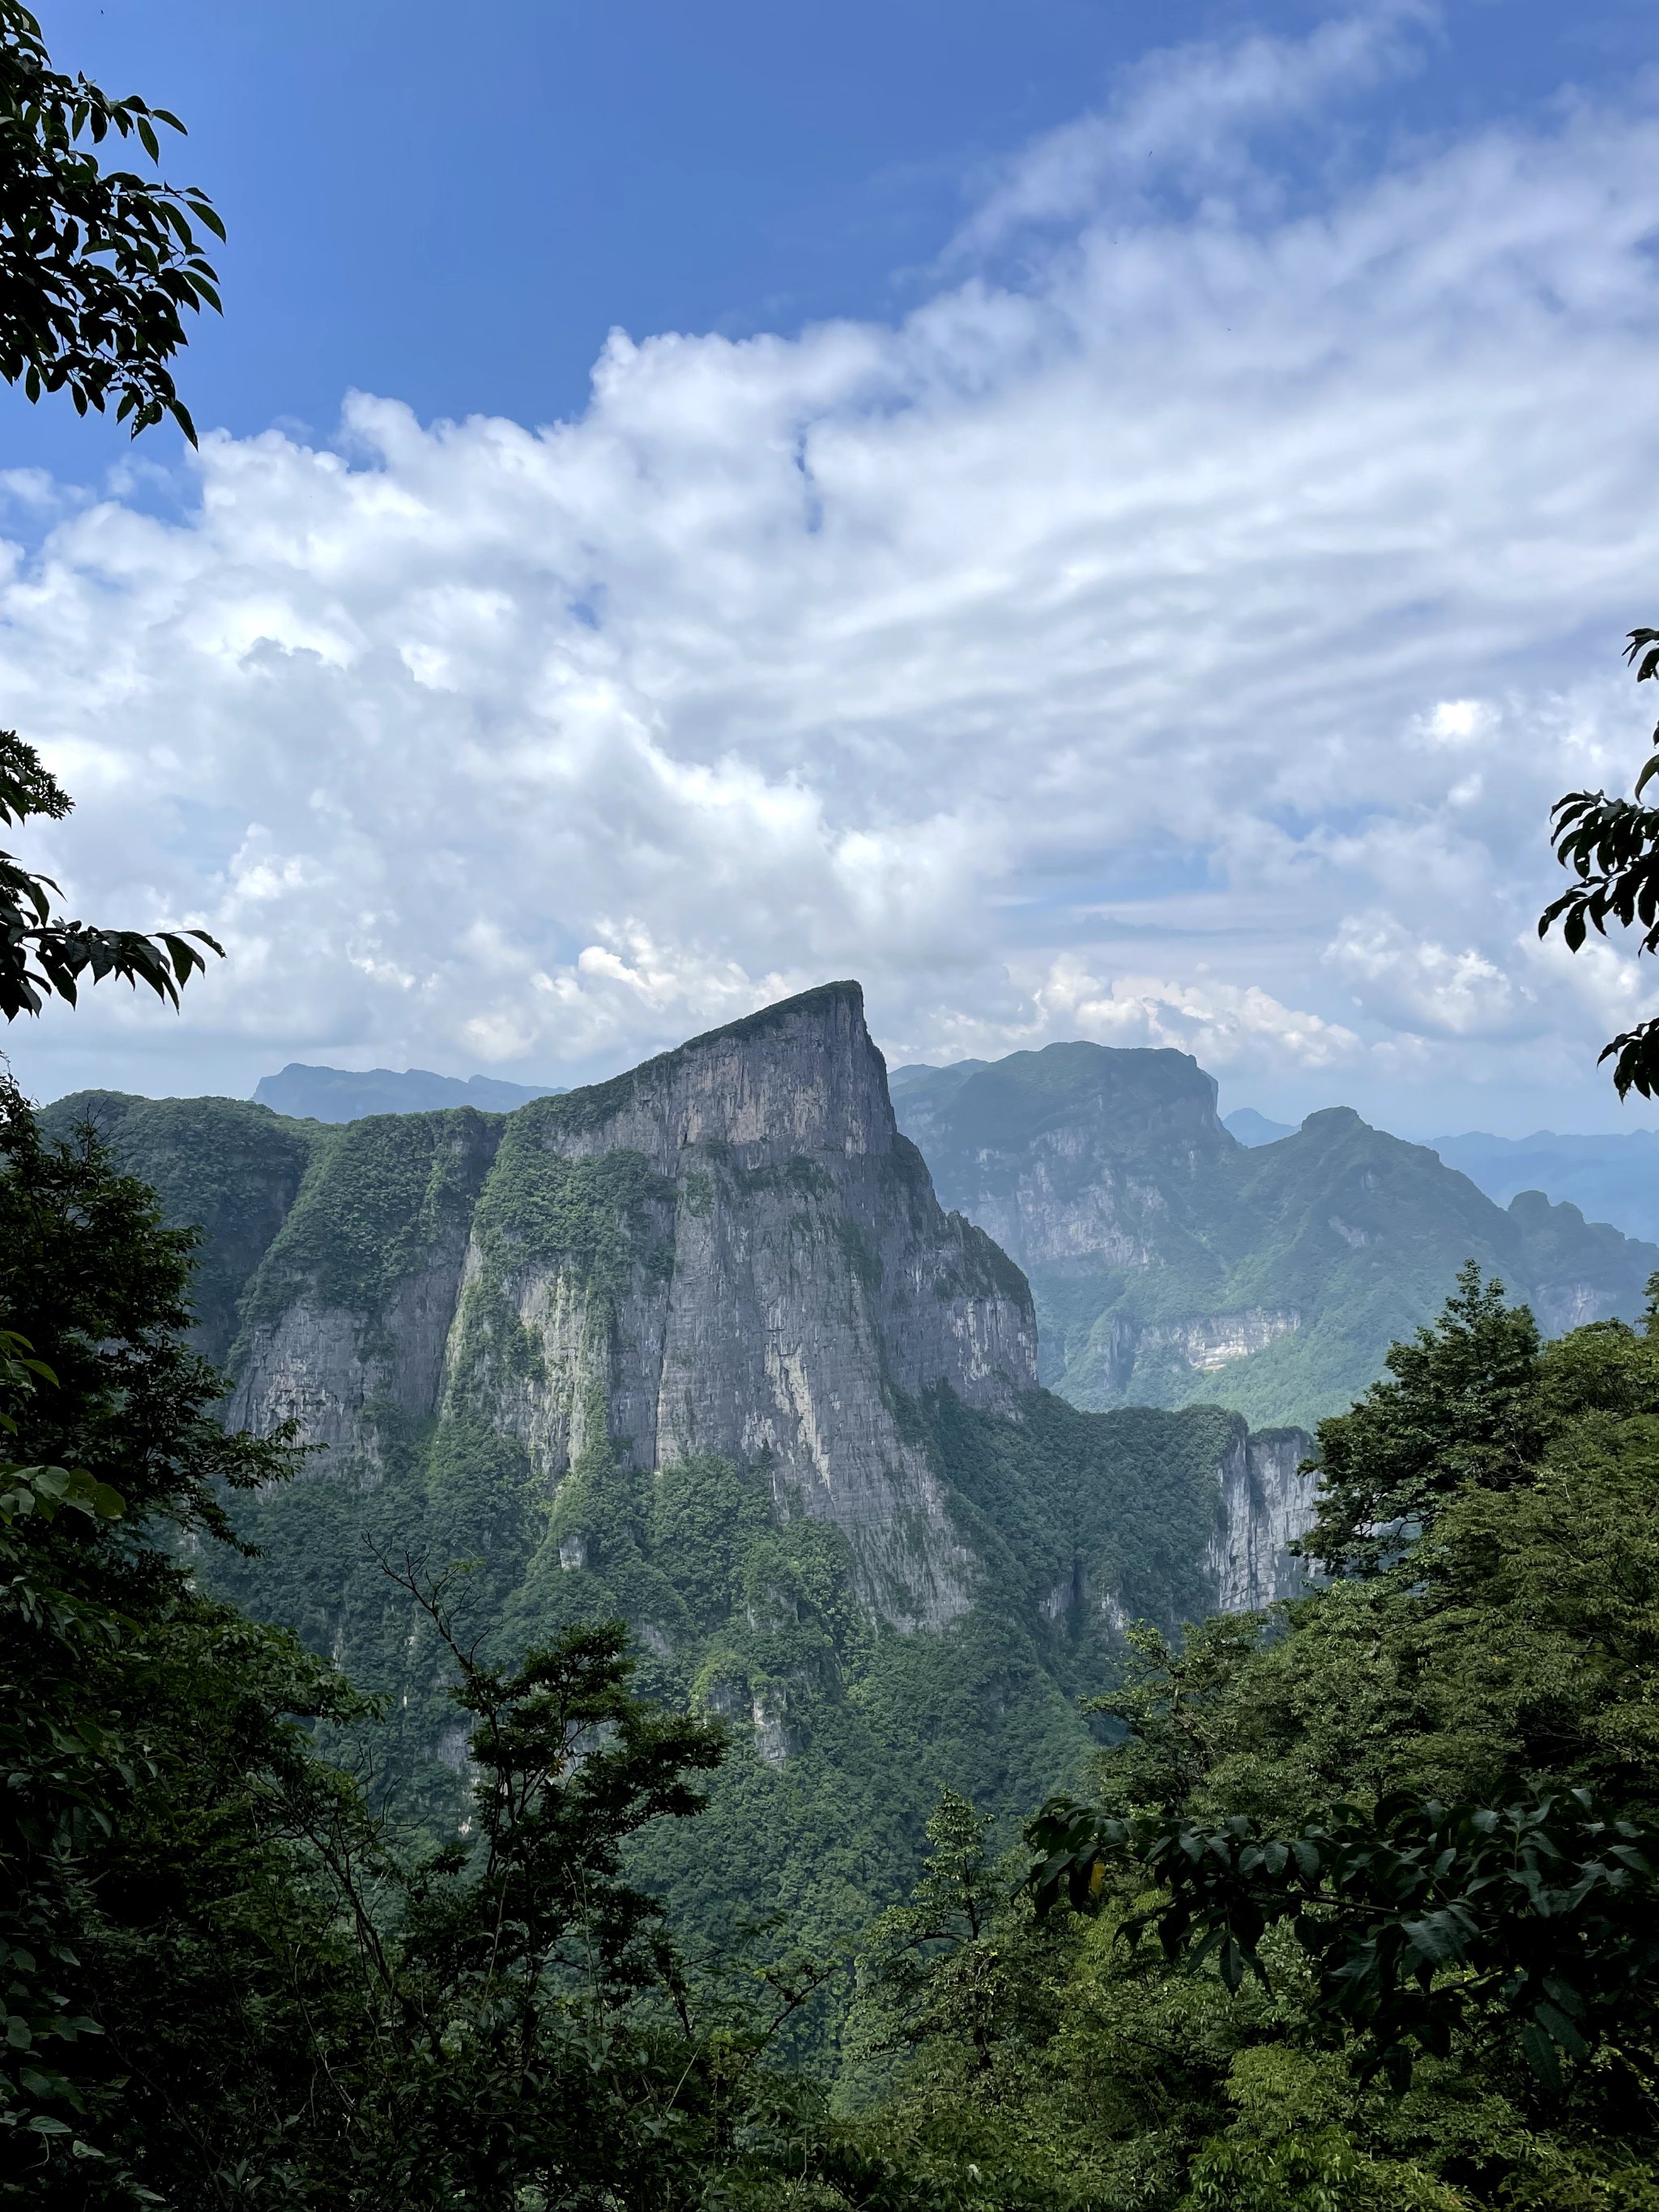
[[455, 207], [1104, 521]]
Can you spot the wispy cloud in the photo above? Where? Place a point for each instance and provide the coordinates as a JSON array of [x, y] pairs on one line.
[[1186, 120]]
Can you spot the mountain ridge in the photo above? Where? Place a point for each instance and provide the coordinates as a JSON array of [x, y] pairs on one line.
[[1171, 1263], [338, 1094]]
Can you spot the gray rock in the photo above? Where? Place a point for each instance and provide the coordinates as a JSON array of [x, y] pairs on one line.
[[729, 1250], [1264, 1506]]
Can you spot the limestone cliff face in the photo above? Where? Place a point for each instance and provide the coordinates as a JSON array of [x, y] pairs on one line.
[[1074, 1154], [730, 1250], [1172, 1264], [349, 1315], [1265, 1504]]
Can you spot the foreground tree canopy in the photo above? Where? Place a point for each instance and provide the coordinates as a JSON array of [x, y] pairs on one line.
[[1612, 847], [1361, 1911], [42, 955], [98, 265], [97, 268]]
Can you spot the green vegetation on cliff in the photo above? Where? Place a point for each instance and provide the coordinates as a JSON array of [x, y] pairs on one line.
[[229, 1169], [229, 1978], [1172, 1264], [843, 1731]]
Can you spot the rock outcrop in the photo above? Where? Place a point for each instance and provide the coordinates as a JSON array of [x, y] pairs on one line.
[[730, 1250], [1171, 1263], [1266, 1502], [699, 1349]]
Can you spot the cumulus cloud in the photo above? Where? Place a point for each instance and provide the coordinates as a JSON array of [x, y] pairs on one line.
[[1222, 600], [1415, 984], [1230, 1030]]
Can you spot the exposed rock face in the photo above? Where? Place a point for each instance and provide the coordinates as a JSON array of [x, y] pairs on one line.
[[339, 1364], [730, 1250], [699, 1348], [1172, 1264], [1211, 1340], [1264, 1506], [1069, 1154]]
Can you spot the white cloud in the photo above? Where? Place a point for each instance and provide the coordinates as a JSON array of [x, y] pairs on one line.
[[1244, 579], [1224, 1027], [1416, 985], [1183, 118]]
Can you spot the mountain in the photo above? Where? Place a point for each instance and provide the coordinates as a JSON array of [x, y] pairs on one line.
[[1171, 1263], [229, 1168], [700, 1347], [338, 1094], [1613, 1178], [1608, 1178], [1253, 1128]]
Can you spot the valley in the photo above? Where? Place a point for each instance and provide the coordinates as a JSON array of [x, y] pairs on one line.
[[716, 1350]]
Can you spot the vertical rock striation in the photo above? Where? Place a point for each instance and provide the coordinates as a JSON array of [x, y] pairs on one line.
[[730, 1250], [1265, 1504]]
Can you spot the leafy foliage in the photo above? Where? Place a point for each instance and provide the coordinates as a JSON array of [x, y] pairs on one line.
[[143, 1731], [98, 266], [229, 1168], [41, 954], [1612, 847], [1459, 1409], [1396, 1836], [1544, 1912]]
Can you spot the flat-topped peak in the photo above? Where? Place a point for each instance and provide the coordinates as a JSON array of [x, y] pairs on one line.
[[1128, 1098]]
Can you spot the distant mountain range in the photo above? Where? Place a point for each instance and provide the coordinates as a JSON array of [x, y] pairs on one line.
[[1610, 1178], [1253, 1128], [1171, 1262], [340, 1094], [1613, 1179]]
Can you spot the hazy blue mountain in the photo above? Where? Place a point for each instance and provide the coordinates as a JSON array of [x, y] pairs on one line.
[[341, 1094], [1172, 1264], [1613, 1178], [1253, 1128]]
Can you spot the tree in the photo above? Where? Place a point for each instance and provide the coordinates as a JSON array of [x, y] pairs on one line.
[[148, 1738], [98, 267], [1612, 847], [40, 955], [1406, 1827], [933, 1969], [1458, 1408], [1421, 1920]]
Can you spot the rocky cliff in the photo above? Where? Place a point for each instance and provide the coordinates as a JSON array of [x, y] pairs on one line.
[[1266, 1502], [728, 1250], [1171, 1263]]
